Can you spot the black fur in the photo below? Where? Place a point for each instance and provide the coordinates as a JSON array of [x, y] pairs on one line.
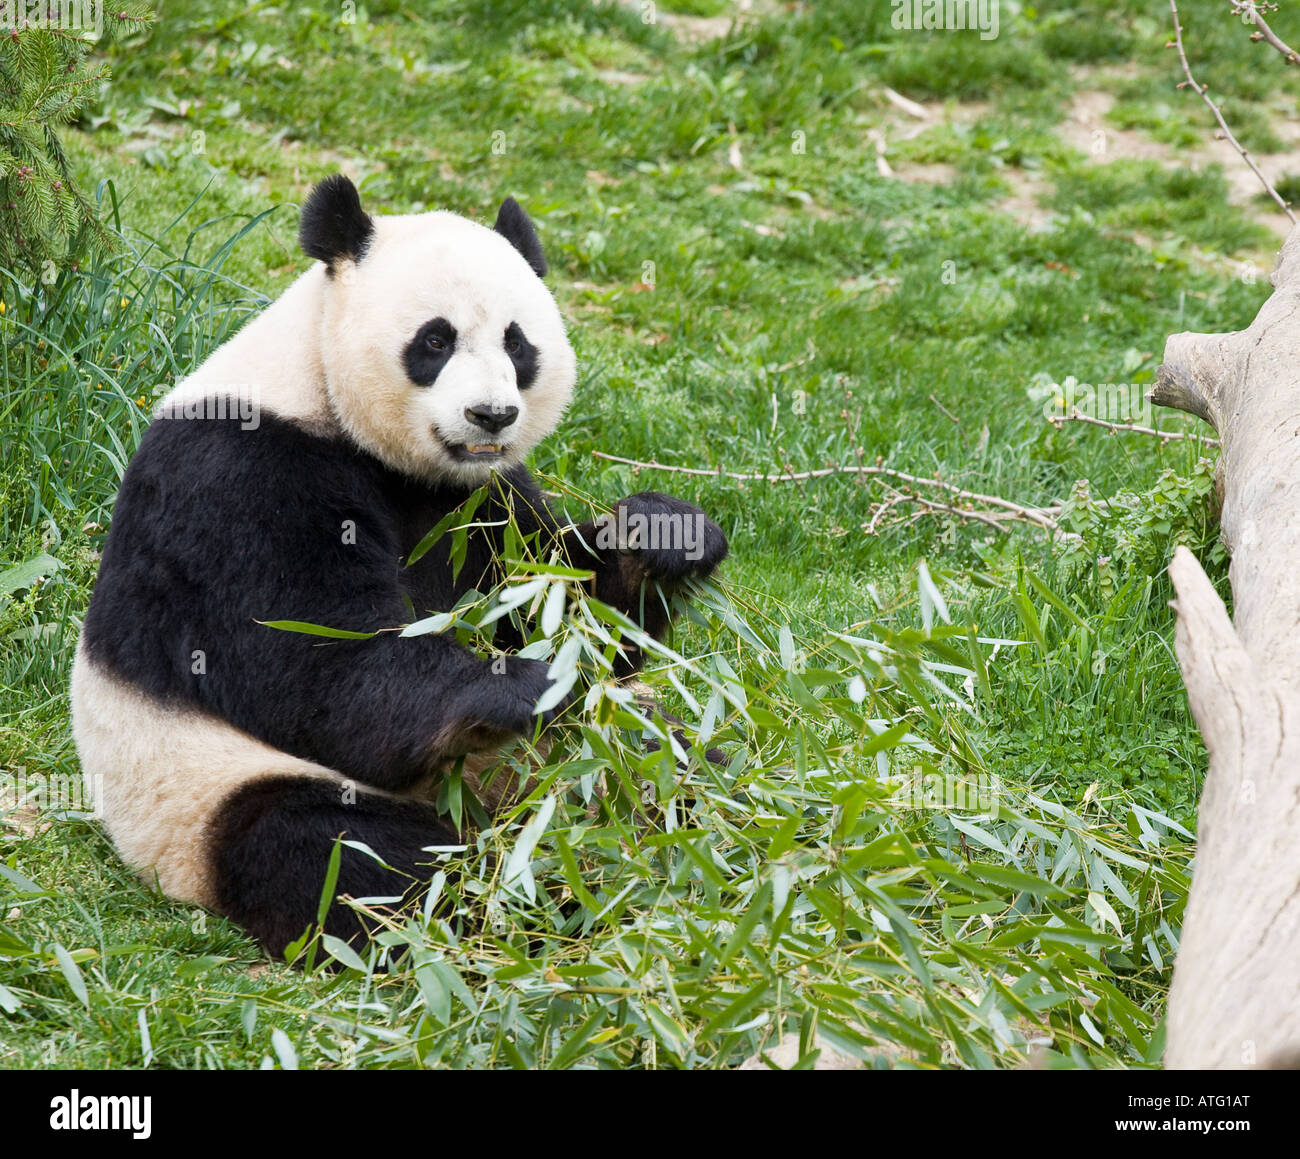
[[333, 224], [523, 354], [217, 528], [429, 351], [513, 224], [271, 845]]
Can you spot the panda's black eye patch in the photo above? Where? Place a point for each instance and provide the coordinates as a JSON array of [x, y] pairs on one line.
[[427, 353], [523, 354]]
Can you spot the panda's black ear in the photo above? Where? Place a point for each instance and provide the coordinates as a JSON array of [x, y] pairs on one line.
[[333, 224], [513, 225]]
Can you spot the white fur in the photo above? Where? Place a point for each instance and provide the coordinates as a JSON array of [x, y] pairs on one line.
[[329, 352], [275, 359]]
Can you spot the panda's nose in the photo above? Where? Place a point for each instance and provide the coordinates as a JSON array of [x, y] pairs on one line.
[[492, 418]]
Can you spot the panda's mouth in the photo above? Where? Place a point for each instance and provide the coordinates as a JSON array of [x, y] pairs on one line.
[[475, 452]]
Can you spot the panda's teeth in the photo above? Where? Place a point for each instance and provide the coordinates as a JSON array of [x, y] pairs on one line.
[[483, 448]]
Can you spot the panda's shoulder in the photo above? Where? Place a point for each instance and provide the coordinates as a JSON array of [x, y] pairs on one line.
[[265, 454]]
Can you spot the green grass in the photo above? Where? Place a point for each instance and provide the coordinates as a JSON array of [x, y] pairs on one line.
[[800, 317]]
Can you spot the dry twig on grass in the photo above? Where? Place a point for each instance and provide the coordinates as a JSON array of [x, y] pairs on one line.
[[1002, 509], [1132, 428]]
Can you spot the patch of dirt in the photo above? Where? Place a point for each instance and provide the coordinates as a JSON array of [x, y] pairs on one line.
[[695, 29], [909, 119], [1025, 201], [701, 29], [24, 820], [938, 173], [616, 76], [966, 113], [1086, 129]]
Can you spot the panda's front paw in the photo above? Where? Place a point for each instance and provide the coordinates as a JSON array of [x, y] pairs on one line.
[[498, 706], [667, 538], [529, 682]]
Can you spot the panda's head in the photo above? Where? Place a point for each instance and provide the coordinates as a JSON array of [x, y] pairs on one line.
[[444, 354]]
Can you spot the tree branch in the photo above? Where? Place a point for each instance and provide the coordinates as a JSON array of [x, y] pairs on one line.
[[1251, 9], [1200, 91]]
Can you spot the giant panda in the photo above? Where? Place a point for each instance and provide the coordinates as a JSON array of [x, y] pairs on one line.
[[418, 355]]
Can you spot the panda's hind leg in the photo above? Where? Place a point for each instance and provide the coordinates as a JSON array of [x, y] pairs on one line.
[[271, 842]]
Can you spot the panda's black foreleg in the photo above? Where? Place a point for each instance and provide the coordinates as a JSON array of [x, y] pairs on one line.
[[271, 842]]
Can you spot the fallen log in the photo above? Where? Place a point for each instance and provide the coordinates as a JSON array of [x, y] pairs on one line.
[[1235, 1000]]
